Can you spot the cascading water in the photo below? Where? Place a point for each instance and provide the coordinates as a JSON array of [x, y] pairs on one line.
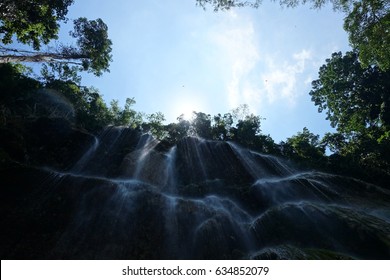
[[130, 197], [86, 157]]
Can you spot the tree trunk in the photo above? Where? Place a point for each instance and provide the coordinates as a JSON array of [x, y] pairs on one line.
[[42, 57], [24, 58]]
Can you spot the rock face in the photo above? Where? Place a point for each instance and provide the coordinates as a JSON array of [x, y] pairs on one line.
[[126, 197], [44, 141]]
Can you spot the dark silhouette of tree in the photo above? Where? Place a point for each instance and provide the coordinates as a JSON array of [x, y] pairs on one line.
[[125, 116], [201, 125], [221, 5], [32, 22], [155, 125], [305, 146], [177, 131], [221, 128], [247, 130], [92, 52]]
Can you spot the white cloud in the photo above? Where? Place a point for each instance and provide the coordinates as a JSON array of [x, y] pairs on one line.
[[251, 75], [280, 79], [238, 55]]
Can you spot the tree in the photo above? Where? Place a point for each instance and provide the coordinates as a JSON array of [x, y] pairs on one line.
[[247, 130], [92, 52], [58, 71], [155, 125], [227, 4], [125, 116], [357, 102], [336, 142], [368, 26], [305, 146], [224, 5], [201, 125], [32, 22], [177, 131], [355, 98], [17, 91], [221, 127], [266, 144]]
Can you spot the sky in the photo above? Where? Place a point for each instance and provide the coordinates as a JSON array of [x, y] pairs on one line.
[[174, 57]]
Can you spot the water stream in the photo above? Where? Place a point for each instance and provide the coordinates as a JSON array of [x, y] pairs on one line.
[[128, 198]]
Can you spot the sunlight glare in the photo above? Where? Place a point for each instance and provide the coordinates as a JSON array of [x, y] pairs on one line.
[[186, 110], [186, 105]]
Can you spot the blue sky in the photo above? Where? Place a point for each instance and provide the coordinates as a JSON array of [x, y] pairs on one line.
[[174, 57]]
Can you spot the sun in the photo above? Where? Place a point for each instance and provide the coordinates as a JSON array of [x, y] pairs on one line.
[[186, 110], [186, 103]]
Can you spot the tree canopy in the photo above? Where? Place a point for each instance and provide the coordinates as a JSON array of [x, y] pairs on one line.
[[368, 26], [353, 97], [93, 45], [304, 145], [221, 5], [36, 23], [92, 52], [33, 22], [357, 103]]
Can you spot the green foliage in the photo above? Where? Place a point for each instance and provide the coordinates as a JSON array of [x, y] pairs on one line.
[[266, 144], [28, 98], [361, 154], [155, 125], [354, 97], [201, 125], [59, 71], [304, 146], [247, 130], [91, 53], [90, 109], [317, 4], [368, 26], [94, 47], [223, 5], [177, 131], [16, 96], [124, 116], [240, 125], [31, 22], [222, 127], [335, 142], [356, 100]]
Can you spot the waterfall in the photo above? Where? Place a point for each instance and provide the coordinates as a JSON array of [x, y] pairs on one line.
[[132, 197], [83, 161], [143, 152], [170, 175]]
